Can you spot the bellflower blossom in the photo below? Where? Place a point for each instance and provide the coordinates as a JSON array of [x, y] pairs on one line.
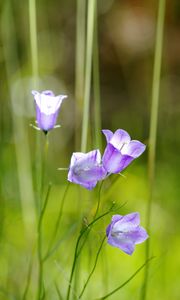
[[124, 232], [47, 109], [120, 150], [86, 169]]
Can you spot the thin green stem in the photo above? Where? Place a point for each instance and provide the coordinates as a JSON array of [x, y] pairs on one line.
[[58, 292], [95, 215], [99, 199], [39, 245], [126, 282], [76, 253], [96, 84], [88, 69], [57, 222], [28, 281], [93, 269], [153, 125], [44, 168]]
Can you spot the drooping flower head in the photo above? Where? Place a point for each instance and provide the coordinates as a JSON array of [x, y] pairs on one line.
[[47, 109], [124, 232], [120, 150], [86, 169]]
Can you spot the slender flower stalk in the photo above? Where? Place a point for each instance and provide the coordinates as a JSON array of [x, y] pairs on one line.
[[42, 209], [39, 245], [88, 69], [153, 125]]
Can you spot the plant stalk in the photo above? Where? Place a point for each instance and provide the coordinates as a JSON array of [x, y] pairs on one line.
[[153, 127], [88, 71]]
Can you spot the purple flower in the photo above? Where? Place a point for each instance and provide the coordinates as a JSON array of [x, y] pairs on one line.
[[124, 232], [47, 109], [86, 169], [120, 150]]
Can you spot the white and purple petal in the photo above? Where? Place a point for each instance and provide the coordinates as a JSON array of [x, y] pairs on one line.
[[108, 134], [124, 232], [134, 149], [120, 138], [47, 108], [125, 245], [120, 150], [113, 161], [86, 169]]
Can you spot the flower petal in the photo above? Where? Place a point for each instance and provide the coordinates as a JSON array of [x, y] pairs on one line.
[[45, 122], [75, 157], [124, 232], [132, 219], [125, 245], [108, 134], [138, 235], [49, 93], [114, 161], [86, 169], [47, 102], [119, 138], [114, 219], [134, 149]]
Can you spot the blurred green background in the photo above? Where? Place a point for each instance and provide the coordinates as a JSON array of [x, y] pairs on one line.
[[126, 37]]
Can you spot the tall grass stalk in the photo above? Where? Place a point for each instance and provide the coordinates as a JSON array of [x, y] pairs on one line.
[[88, 71], [80, 65], [33, 40], [153, 126], [96, 85], [20, 126], [35, 74]]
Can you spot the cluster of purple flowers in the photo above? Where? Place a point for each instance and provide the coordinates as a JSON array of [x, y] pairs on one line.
[[87, 169]]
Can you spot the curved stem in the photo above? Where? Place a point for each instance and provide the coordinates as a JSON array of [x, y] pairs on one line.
[[41, 215], [76, 253], [127, 281], [99, 199], [95, 215], [40, 261], [93, 269], [57, 222]]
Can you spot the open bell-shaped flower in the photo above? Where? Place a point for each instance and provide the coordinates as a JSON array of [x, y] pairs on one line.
[[47, 109], [124, 232], [86, 169], [120, 150]]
